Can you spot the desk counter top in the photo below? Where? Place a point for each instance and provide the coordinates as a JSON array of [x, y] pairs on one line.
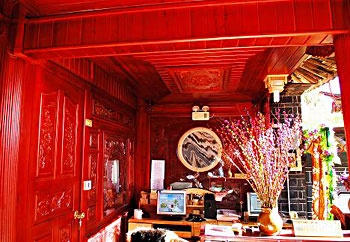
[[187, 229], [286, 235]]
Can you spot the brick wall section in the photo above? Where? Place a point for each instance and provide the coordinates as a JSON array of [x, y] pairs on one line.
[[298, 184]]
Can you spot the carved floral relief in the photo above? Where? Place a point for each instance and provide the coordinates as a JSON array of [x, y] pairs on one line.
[[47, 134], [69, 136], [65, 234], [48, 204], [102, 111]]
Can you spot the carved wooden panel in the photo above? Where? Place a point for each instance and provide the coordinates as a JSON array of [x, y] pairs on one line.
[[49, 204], [47, 134], [46, 238], [70, 111], [93, 176], [93, 140], [204, 80], [115, 160], [91, 215], [65, 233], [110, 233], [93, 159], [107, 113]]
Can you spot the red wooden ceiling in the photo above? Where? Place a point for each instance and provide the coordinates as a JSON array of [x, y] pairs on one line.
[[175, 51]]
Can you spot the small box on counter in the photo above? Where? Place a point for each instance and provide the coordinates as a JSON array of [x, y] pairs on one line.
[[143, 201], [153, 201]]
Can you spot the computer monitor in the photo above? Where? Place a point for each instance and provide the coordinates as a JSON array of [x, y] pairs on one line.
[[171, 203], [253, 204]]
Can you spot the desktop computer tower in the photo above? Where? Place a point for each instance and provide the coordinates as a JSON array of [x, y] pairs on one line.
[[209, 206]]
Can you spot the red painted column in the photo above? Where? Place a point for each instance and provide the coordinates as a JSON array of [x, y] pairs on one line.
[[142, 150], [11, 80], [342, 55]]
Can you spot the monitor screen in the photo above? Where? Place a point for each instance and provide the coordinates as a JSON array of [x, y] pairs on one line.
[[253, 204], [171, 202]]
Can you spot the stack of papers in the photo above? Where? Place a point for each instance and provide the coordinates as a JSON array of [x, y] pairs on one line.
[[227, 215], [218, 230]]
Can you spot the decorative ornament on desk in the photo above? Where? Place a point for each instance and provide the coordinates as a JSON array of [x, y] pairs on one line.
[[261, 149]]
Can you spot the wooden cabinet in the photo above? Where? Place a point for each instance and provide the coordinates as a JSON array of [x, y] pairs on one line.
[[109, 163]]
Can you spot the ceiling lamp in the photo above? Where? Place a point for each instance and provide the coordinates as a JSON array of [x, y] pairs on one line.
[[275, 84], [200, 114]]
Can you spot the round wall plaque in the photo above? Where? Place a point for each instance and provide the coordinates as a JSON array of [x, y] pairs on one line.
[[199, 149]]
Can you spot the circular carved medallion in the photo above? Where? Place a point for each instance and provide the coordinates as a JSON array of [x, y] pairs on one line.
[[199, 149]]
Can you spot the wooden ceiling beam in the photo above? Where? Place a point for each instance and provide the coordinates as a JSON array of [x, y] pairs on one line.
[[123, 49], [202, 27]]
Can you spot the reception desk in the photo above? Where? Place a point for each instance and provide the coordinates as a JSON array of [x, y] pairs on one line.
[[182, 228], [188, 230], [286, 235]]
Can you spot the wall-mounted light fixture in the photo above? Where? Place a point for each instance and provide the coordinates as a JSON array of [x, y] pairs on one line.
[[200, 114], [275, 84]]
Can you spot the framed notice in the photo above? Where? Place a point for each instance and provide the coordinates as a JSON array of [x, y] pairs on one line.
[[157, 174]]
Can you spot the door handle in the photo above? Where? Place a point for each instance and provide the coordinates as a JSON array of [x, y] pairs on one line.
[[79, 216]]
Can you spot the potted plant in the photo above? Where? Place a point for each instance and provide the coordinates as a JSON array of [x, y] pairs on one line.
[[262, 149]]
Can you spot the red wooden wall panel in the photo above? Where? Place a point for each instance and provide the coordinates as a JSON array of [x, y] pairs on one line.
[[11, 84], [94, 74]]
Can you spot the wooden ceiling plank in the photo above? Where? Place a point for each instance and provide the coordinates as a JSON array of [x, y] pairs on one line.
[[286, 24], [216, 51], [266, 11], [322, 19], [305, 77], [326, 63], [313, 69], [303, 10], [178, 58], [107, 7], [191, 58], [73, 35], [250, 19]]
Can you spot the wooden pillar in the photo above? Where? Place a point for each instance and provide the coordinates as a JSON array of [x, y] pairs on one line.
[[142, 150], [342, 55], [11, 77]]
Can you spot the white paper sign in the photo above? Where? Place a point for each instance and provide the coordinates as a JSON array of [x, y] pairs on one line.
[[157, 174], [327, 228]]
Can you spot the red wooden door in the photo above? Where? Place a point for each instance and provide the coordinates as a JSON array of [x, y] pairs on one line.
[[54, 163]]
